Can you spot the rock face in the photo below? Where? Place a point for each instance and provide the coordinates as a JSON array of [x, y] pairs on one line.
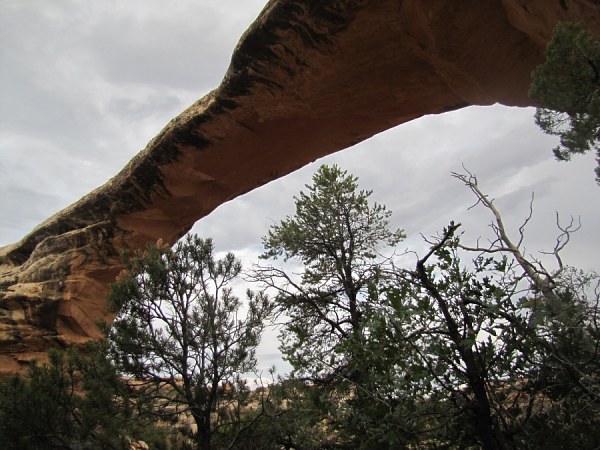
[[307, 79]]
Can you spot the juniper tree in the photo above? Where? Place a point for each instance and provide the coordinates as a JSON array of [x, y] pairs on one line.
[[186, 338], [567, 87], [483, 346], [336, 236]]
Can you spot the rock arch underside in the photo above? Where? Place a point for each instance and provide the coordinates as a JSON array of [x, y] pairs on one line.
[[307, 79]]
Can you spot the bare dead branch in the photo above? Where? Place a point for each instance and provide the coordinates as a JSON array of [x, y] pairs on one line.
[[541, 281]]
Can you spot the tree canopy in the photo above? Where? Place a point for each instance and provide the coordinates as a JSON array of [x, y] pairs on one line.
[[473, 347], [181, 333], [567, 87], [74, 401], [337, 236], [481, 346]]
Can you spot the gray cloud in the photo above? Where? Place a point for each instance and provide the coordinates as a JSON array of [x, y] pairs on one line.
[[85, 85]]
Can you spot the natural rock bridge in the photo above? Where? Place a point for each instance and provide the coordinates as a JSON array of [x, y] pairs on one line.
[[307, 79]]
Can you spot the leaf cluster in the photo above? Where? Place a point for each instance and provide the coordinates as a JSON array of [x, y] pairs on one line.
[[337, 236], [475, 347], [567, 87], [75, 401], [181, 333]]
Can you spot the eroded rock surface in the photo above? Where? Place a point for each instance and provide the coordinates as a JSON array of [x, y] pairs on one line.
[[307, 79]]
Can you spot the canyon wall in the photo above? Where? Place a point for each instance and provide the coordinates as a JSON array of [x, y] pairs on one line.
[[307, 79]]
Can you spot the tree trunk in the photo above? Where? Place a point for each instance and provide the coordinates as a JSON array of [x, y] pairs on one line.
[[484, 422], [203, 433]]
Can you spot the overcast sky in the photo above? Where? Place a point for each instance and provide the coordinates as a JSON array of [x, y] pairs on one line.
[[85, 86]]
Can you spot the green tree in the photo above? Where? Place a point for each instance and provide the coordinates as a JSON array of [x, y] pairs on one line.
[[336, 235], [565, 368], [567, 88], [494, 351], [75, 401], [499, 353], [336, 245], [431, 367], [291, 418], [181, 334]]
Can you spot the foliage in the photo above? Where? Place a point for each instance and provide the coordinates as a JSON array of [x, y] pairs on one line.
[[567, 87], [179, 332], [474, 347], [293, 417], [567, 371], [75, 401], [500, 353], [335, 234]]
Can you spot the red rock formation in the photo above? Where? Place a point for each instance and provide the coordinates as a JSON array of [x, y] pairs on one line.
[[307, 79]]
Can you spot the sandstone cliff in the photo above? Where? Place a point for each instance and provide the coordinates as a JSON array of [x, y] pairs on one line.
[[307, 79]]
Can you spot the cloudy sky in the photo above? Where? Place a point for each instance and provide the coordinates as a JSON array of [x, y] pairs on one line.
[[85, 86]]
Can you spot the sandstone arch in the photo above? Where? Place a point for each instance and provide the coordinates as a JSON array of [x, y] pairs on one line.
[[307, 79]]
